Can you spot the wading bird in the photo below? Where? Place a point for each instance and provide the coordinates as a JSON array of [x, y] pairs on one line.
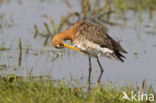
[[90, 40]]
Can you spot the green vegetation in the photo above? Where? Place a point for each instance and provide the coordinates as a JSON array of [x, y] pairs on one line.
[[135, 5], [100, 12], [15, 89], [4, 49]]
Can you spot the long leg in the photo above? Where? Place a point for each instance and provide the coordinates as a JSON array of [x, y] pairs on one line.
[[102, 70], [90, 70]]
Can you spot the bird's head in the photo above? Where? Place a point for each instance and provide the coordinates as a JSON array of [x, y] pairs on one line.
[[57, 42], [58, 39]]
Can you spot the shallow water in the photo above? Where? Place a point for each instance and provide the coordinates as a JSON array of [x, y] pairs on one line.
[[137, 38]]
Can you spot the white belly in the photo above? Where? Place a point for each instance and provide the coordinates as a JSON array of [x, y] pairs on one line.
[[92, 49]]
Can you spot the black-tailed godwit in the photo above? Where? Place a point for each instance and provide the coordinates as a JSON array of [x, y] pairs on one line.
[[90, 40]]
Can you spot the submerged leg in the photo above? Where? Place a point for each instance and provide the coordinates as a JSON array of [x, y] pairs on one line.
[[90, 70], [101, 72]]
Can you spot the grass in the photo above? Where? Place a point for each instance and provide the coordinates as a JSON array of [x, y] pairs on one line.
[[15, 89], [135, 5]]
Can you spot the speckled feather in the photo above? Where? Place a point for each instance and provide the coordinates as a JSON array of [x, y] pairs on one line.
[[95, 42]]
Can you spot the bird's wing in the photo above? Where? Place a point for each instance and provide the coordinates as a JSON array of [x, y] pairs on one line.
[[96, 35]]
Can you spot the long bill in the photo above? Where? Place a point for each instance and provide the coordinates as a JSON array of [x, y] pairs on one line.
[[71, 47]]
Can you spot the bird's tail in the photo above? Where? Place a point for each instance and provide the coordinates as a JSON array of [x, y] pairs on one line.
[[118, 56]]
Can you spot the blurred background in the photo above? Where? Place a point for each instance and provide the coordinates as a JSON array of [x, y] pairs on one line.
[[27, 27]]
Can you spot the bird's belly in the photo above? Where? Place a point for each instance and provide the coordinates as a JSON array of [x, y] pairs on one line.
[[91, 49]]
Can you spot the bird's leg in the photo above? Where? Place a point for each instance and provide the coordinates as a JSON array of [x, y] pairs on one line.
[[102, 70], [90, 70]]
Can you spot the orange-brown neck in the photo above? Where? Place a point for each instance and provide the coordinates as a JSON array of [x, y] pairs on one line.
[[70, 34], [58, 40], [66, 35]]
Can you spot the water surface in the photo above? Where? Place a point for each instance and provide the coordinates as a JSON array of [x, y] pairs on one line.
[[137, 38]]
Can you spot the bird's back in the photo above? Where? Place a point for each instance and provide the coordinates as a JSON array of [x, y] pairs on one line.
[[94, 41]]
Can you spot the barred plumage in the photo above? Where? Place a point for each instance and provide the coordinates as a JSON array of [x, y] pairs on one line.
[[95, 42]]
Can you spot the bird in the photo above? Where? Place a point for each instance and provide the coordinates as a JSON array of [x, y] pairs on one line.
[[90, 40]]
